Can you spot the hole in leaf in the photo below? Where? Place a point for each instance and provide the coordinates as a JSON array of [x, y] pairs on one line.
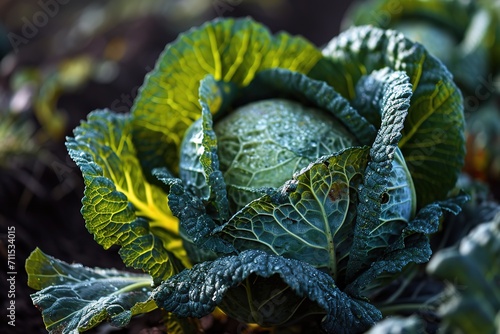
[[384, 198]]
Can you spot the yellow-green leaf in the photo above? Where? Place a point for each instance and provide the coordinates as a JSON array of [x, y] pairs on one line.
[[74, 298], [433, 141], [231, 50], [120, 206]]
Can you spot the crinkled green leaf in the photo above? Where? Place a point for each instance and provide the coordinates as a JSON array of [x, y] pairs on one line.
[[198, 291], [433, 136], [428, 218], [73, 298], [412, 245], [311, 218], [372, 233], [199, 162], [120, 206], [231, 50], [416, 250], [473, 304], [297, 86], [196, 225], [369, 91], [209, 94]]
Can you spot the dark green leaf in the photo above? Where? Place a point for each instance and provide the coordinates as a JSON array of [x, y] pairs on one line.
[[373, 232], [412, 246], [433, 135], [282, 82], [199, 162], [196, 225], [209, 95], [370, 91], [198, 291], [73, 298], [416, 250], [310, 218], [479, 209], [120, 206]]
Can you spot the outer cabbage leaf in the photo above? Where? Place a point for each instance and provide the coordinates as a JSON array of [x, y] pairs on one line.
[[311, 218], [197, 226], [120, 207], [472, 305], [412, 246], [73, 298], [196, 292], [231, 50], [212, 189], [372, 234], [433, 136]]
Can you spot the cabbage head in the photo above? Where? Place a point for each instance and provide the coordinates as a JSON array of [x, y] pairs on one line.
[[268, 177]]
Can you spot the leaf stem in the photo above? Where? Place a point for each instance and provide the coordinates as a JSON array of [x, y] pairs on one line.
[[140, 283], [149, 210], [408, 279]]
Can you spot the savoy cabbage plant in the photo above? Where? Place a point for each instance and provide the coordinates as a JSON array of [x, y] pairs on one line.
[[264, 176]]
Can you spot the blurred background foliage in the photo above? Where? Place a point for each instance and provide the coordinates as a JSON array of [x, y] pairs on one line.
[[465, 36], [61, 59]]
